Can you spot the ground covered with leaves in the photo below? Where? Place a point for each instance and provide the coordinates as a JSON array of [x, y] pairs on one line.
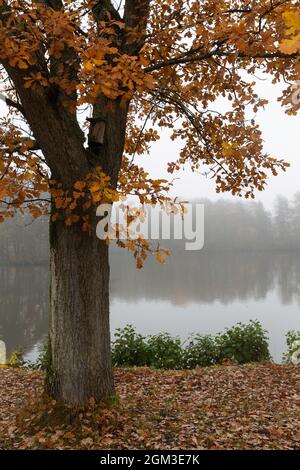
[[224, 407]]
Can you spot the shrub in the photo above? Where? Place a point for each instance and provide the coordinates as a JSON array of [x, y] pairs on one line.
[[293, 344], [201, 351], [158, 351], [164, 352], [244, 343], [44, 361], [129, 348], [241, 344]]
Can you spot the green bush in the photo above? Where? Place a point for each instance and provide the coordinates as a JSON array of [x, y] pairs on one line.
[[244, 343], [164, 352], [293, 344], [240, 344], [44, 360], [158, 351], [201, 351], [129, 348]]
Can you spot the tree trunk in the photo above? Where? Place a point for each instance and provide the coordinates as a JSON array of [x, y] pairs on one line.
[[79, 337]]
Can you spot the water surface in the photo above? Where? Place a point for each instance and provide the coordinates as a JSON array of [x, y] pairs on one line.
[[193, 293]]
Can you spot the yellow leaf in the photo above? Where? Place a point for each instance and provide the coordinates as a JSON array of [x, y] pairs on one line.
[[160, 258], [292, 20], [80, 185], [88, 66], [94, 187], [99, 62]]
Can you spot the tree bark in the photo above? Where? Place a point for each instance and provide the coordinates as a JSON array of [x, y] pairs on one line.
[[79, 337], [80, 366]]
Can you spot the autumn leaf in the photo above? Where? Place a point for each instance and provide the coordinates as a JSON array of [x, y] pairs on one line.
[[254, 406], [95, 187], [292, 21], [160, 258], [80, 185]]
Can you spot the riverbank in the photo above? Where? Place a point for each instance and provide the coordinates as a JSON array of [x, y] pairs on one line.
[[223, 407]]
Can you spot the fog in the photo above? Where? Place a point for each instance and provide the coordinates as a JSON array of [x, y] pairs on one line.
[[229, 225], [249, 269], [281, 139]]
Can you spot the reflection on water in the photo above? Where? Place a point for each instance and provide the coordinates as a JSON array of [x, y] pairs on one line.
[[193, 293], [23, 306]]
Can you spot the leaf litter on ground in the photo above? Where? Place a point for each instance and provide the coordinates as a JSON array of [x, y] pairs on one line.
[[254, 406]]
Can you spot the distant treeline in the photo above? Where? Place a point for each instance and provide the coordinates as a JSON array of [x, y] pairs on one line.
[[248, 226], [23, 241], [229, 226]]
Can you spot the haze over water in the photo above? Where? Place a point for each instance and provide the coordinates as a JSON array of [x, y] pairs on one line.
[[249, 269], [221, 290]]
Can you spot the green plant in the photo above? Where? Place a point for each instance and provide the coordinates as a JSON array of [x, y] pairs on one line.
[[241, 344], [129, 348], [244, 343], [44, 360], [164, 352], [293, 344], [201, 351]]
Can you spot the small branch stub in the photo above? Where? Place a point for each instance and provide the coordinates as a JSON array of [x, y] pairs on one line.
[[97, 131]]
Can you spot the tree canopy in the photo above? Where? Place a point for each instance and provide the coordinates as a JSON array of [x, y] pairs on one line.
[[188, 66]]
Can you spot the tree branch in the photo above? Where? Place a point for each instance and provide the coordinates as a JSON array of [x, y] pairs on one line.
[[136, 15], [104, 7], [186, 59], [12, 103], [26, 201], [55, 4]]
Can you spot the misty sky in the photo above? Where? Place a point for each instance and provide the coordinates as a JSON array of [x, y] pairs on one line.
[[281, 135]]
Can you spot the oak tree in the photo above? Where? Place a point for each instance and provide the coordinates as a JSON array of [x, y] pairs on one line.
[[88, 85]]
